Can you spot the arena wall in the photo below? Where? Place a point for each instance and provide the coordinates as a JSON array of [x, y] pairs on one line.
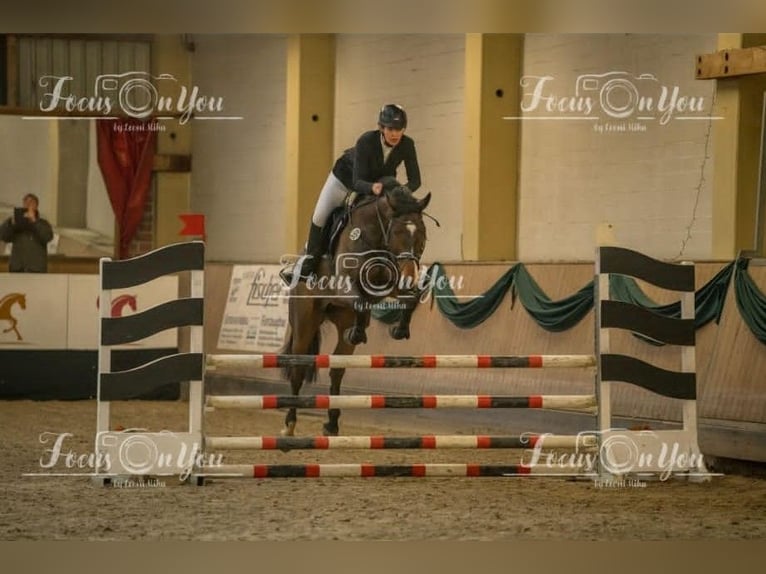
[[653, 186], [238, 178], [729, 359], [423, 73], [29, 165]]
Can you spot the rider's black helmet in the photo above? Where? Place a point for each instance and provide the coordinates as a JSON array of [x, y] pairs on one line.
[[393, 116]]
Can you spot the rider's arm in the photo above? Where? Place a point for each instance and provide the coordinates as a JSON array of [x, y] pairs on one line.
[[364, 155], [411, 164]]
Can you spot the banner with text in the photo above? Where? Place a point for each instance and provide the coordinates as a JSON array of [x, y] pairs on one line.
[[255, 318]]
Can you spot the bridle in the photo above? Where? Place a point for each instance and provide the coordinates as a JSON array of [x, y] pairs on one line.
[[385, 230]]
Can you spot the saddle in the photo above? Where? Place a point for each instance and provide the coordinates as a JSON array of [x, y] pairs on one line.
[[339, 218], [340, 215]]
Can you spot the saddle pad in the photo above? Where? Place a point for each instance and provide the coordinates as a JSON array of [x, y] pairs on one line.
[[339, 218]]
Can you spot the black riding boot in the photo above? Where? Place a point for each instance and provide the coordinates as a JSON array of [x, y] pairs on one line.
[[314, 249]]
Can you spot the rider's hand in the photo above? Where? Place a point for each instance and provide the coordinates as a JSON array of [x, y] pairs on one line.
[[377, 188]]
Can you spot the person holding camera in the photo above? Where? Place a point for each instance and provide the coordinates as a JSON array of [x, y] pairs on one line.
[[29, 234]]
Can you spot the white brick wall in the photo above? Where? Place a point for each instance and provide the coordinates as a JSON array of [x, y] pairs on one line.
[[238, 175], [648, 185], [423, 73], [28, 162]]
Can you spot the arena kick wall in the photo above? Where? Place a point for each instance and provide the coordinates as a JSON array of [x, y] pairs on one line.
[[730, 361]]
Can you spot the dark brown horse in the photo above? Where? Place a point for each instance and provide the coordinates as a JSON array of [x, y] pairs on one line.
[[377, 256]]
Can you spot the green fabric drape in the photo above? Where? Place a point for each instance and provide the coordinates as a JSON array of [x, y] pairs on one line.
[[708, 300], [474, 312], [556, 316], [466, 315], [751, 302], [553, 316]]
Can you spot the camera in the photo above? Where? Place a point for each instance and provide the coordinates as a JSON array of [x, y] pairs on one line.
[[19, 217]]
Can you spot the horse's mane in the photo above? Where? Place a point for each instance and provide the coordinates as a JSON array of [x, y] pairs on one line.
[[402, 201]]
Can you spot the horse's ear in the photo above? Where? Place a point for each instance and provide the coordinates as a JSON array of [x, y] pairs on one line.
[[423, 203]]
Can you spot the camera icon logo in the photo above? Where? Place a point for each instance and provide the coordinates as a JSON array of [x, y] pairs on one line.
[[619, 454], [135, 453], [136, 93], [618, 92], [377, 272]]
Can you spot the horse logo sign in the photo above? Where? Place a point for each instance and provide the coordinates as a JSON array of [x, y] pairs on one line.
[[119, 303], [6, 306]]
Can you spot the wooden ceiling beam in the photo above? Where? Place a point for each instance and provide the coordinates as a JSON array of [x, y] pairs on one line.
[[731, 63]]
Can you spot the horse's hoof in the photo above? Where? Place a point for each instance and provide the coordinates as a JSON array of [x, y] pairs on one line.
[[399, 333], [289, 430], [354, 336], [329, 431]]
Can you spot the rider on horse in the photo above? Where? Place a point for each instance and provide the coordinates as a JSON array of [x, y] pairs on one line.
[[377, 155], [377, 250]]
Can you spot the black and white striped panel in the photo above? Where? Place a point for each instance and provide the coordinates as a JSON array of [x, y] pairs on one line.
[[175, 258], [133, 383], [186, 312], [178, 313], [627, 316], [671, 384], [622, 315], [670, 276]]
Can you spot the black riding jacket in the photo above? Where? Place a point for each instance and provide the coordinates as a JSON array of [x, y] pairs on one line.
[[361, 166]]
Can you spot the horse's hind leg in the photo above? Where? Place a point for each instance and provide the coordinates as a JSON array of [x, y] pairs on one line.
[[297, 374], [342, 321], [304, 340]]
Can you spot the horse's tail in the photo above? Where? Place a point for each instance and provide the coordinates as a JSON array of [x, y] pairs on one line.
[[316, 344], [287, 348], [310, 375]]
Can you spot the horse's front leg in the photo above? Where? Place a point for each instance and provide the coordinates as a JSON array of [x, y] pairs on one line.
[[357, 333], [409, 302], [14, 323], [330, 428], [402, 329], [297, 375]]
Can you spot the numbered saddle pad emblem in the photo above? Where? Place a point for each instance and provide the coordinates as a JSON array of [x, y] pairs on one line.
[[355, 234]]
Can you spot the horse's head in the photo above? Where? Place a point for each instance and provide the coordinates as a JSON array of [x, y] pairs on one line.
[[381, 252], [404, 231], [22, 301]]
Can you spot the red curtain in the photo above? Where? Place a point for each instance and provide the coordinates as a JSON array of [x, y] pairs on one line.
[[125, 156]]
